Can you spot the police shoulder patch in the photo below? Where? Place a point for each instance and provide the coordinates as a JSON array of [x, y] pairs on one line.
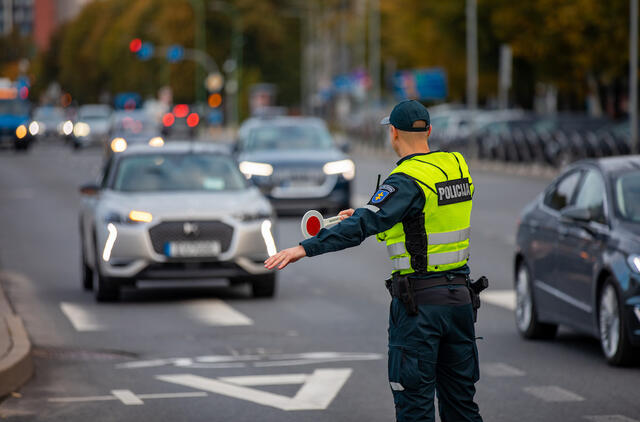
[[382, 194]]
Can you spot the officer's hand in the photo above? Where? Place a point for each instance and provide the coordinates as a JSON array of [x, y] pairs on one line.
[[346, 213], [285, 257]]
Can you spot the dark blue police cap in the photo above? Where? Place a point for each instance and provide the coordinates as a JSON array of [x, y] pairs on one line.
[[405, 113]]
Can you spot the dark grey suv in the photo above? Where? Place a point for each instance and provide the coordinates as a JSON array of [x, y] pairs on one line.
[[577, 261]]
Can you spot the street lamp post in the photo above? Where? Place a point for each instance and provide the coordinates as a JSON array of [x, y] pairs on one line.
[[472, 55], [633, 76], [200, 45], [374, 50]]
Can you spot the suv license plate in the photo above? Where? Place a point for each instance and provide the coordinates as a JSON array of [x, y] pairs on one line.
[[192, 249]]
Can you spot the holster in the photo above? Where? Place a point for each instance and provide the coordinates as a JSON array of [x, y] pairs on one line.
[[400, 286], [475, 287]]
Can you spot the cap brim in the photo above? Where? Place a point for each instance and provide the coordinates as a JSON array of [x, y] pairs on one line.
[[385, 121]]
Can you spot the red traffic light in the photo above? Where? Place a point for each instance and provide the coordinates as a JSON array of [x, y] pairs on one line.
[[168, 119], [181, 110], [135, 45], [193, 120]]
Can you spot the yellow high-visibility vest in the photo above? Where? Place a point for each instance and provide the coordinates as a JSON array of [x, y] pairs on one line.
[[437, 240]]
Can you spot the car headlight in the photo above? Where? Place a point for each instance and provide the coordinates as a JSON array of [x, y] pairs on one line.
[[634, 262], [134, 216], [67, 127], [269, 241], [260, 215], [345, 167], [156, 141], [249, 168], [34, 128], [81, 129], [140, 216], [21, 131], [118, 144]]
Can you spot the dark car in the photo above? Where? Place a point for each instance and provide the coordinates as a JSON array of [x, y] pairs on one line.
[[296, 163], [577, 261], [16, 128], [132, 127]]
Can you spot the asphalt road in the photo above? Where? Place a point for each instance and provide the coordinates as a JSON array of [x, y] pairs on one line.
[[316, 352]]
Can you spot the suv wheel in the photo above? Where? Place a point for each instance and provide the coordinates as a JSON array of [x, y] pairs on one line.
[[526, 315], [264, 285], [613, 339]]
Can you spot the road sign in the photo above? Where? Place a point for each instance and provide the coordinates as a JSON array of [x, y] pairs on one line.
[[175, 53], [420, 84], [316, 393]]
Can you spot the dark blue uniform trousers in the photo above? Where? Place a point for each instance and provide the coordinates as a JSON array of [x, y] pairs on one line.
[[434, 351]]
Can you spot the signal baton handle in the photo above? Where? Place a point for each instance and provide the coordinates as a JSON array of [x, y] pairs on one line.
[[313, 222]]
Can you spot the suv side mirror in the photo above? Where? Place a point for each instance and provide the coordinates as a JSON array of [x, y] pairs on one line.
[[582, 215], [89, 189]]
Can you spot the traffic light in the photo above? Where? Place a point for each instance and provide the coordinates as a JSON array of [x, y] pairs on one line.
[[135, 45], [215, 100]]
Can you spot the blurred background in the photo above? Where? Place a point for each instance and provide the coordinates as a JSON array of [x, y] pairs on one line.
[[153, 153]]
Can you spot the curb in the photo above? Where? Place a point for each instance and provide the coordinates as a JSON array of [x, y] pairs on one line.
[[16, 366]]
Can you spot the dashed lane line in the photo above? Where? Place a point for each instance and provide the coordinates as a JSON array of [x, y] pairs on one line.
[[553, 393], [212, 312], [503, 298], [499, 369], [80, 317], [128, 397], [610, 418], [216, 312]]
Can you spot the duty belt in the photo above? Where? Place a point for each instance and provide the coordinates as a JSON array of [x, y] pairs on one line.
[[404, 288]]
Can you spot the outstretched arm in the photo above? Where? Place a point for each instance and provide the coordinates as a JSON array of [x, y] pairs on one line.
[[396, 198]]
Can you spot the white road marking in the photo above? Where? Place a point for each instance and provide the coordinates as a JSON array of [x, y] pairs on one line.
[[139, 396], [267, 379], [80, 317], [258, 361], [216, 312], [502, 298], [500, 370], [317, 392], [553, 393], [610, 418], [127, 397]]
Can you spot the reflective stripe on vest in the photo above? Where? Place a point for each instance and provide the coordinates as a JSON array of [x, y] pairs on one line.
[[448, 257], [449, 237], [403, 263], [396, 249], [443, 258]]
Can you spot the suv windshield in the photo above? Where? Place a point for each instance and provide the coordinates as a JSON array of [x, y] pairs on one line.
[[627, 196], [177, 172], [292, 137]]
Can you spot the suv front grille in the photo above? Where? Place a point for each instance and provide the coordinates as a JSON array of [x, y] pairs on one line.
[[176, 231]]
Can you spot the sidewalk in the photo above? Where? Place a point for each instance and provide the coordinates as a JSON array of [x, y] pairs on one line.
[[16, 366]]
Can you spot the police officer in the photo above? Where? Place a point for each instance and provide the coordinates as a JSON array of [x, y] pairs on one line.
[[422, 211]]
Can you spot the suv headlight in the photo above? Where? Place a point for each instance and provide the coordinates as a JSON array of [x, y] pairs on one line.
[[634, 262], [81, 129], [259, 215], [345, 167], [134, 216], [250, 168]]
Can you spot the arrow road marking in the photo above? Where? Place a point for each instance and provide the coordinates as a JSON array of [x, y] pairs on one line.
[[610, 418], [500, 370], [317, 392], [502, 298]]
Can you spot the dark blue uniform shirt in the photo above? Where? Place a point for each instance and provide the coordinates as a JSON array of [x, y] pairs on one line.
[[406, 201]]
